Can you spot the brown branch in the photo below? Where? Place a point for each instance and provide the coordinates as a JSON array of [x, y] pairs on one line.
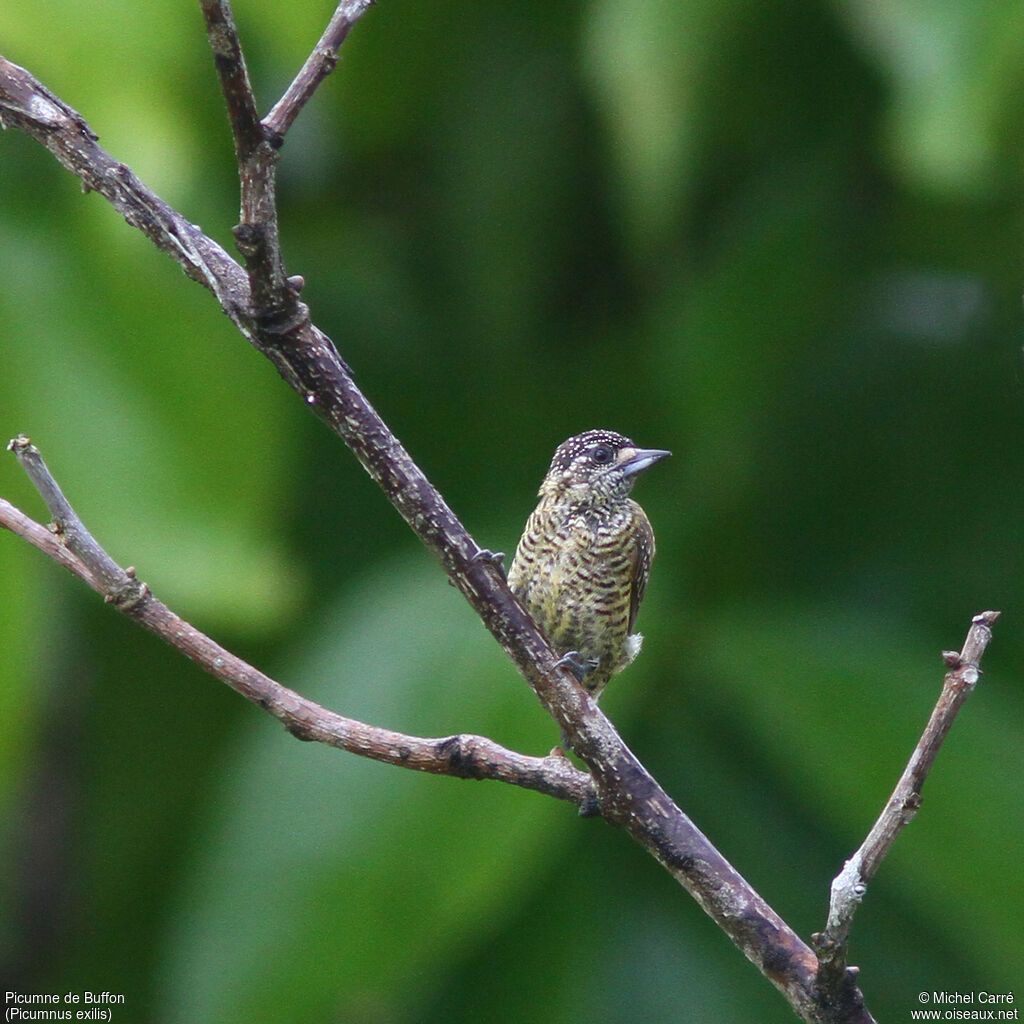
[[256, 234], [320, 63], [851, 884], [239, 98], [30, 107], [306, 358], [273, 297], [70, 544]]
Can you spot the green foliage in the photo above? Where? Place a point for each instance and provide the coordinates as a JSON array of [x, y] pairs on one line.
[[780, 239]]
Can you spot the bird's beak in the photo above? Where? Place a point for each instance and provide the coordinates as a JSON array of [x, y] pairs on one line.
[[636, 460]]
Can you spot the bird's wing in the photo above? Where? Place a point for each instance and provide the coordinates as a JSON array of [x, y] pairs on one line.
[[643, 554]]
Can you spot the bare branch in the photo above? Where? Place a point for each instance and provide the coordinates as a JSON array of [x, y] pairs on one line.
[[70, 544], [116, 585], [26, 104], [320, 63], [234, 76], [43, 539], [850, 885], [256, 234], [274, 298]]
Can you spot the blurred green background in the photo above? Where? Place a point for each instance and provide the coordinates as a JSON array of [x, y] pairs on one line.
[[781, 239]]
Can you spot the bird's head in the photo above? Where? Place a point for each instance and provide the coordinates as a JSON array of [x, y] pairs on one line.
[[596, 467]]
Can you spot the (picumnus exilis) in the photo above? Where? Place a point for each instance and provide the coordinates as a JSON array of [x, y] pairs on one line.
[[582, 564]]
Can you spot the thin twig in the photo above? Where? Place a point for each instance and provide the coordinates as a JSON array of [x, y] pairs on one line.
[[257, 233], [273, 296], [117, 585], [850, 885], [464, 756], [45, 540], [222, 36], [319, 64]]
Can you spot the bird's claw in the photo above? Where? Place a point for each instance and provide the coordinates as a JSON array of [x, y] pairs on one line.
[[571, 660], [486, 555]]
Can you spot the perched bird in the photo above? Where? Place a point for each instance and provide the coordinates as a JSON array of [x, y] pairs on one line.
[[582, 564]]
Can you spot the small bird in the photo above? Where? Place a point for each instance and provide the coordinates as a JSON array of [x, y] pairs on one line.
[[582, 564]]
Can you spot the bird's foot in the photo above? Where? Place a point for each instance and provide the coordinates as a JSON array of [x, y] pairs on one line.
[[579, 668], [486, 555]]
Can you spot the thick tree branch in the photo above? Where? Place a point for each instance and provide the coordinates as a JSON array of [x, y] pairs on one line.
[[70, 544], [30, 107], [851, 884]]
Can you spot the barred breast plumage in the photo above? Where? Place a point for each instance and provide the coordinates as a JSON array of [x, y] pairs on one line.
[[582, 565]]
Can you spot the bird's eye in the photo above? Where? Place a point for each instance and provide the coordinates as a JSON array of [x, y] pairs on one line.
[[602, 454]]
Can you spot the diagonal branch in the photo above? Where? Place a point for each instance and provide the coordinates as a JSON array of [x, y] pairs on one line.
[[850, 885], [26, 104], [319, 64], [70, 544]]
